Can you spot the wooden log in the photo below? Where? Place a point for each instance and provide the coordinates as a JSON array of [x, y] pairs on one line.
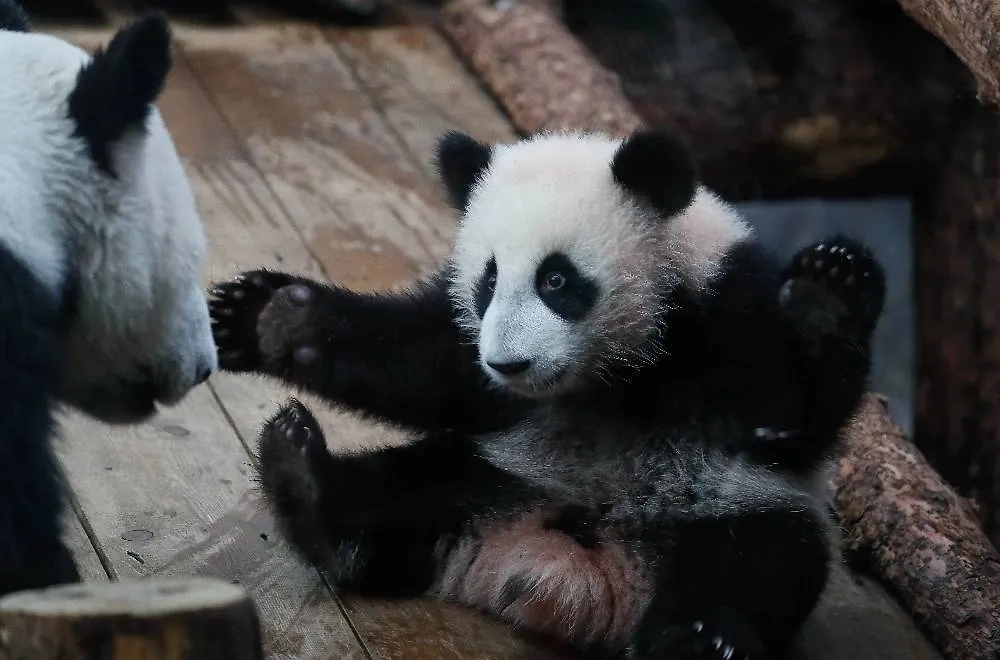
[[779, 99], [969, 28], [544, 78], [153, 619], [918, 535]]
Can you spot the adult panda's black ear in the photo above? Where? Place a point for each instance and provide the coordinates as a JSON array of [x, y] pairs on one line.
[[115, 91], [657, 165], [461, 160]]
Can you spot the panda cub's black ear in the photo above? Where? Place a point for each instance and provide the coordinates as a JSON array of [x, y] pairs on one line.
[[656, 165], [461, 160], [115, 91]]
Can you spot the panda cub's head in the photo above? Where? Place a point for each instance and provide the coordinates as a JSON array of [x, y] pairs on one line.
[[569, 245], [94, 201]]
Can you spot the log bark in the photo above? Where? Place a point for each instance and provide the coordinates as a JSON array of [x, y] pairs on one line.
[[142, 620], [969, 28], [783, 100], [544, 78], [920, 537]]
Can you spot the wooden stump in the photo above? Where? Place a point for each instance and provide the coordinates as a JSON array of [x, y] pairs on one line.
[[196, 619]]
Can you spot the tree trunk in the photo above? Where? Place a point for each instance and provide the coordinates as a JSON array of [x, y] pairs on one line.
[[140, 620], [958, 249]]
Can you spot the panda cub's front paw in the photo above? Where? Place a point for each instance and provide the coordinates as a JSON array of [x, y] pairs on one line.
[[264, 320], [834, 287], [290, 446], [235, 307]]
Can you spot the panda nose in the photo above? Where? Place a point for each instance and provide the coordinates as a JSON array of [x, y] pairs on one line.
[[510, 368], [203, 375]]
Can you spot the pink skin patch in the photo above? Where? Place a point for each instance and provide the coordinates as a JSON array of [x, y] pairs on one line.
[[544, 581]]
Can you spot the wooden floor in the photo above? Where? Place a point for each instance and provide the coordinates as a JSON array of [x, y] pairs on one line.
[[308, 149]]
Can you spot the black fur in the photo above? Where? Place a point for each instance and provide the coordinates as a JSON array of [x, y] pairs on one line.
[[486, 287], [282, 325], [576, 293], [461, 160], [419, 495], [115, 92], [32, 554], [763, 368], [655, 165], [13, 17]]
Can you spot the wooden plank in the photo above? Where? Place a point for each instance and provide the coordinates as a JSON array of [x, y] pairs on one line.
[[370, 216], [174, 496], [87, 559], [421, 88]]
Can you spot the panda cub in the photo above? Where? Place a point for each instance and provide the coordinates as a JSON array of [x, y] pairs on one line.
[[101, 255], [621, 404]]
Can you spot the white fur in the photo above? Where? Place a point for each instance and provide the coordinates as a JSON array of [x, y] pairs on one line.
[[137, 243], [556, 192]]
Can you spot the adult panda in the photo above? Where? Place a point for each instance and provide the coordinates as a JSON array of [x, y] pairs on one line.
[[101, 256], [621, 404]]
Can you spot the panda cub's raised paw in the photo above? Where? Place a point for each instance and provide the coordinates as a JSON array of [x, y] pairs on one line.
[[266, 321], [235, 307], [834, 287], [290, 444]]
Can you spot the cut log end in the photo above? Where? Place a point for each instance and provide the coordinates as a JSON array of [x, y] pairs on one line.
[[155, 618]]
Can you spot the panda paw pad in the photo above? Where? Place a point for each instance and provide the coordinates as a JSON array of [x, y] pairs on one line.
[[290, 441], [835, 282], [235, 307]]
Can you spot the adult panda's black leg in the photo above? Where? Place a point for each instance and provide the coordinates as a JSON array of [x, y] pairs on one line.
[[739, 586], [832, 294], [32, 502], [397, 356], [378, 521]]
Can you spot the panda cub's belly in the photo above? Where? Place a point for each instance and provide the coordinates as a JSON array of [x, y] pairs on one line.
[[549, 571]]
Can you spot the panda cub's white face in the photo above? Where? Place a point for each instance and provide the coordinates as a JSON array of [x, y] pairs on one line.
[[94, 200], [567, 247]]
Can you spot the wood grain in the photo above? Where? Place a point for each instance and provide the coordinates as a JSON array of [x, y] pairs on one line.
[[87, 559], [174, 496]]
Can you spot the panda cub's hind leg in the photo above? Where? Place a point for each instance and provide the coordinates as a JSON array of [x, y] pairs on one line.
[[380, 520], [290, 445], [323, 507]]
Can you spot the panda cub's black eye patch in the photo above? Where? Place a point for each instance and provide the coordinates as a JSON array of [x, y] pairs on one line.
[[564, 289], [485, 287]]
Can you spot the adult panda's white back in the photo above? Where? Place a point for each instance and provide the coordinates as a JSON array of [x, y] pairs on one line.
[[94, 201]]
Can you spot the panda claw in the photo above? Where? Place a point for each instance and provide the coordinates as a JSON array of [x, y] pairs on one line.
[[839, 278], [234, 308]]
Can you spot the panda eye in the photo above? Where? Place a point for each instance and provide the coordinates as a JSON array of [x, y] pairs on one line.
[[491, 282], [554, 280]]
